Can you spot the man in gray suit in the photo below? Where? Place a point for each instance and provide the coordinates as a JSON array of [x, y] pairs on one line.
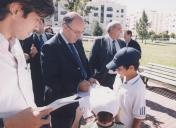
[[103, 51]]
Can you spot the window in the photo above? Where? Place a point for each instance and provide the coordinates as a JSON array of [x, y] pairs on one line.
[[117, 10], [102, 14], [121, 16], [109, 9], [63, 12], [95, 8], [109, 15], [122, 10], [96, 14]]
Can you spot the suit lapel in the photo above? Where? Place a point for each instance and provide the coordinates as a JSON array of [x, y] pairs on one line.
[[109, 45], [66, 50], [81, 54], [36, 41]]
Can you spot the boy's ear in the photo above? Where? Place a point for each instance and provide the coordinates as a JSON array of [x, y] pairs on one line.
[[14, 8]]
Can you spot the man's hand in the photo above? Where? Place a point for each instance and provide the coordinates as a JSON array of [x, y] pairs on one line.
[[29, 118], [78, 116], [34, 51], [93, 81], [26, 56], [84, 85]]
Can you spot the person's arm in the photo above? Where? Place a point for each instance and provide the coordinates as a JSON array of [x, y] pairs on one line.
[[28, 118], [139, 105], [50, 68], [94, 62], [78, 116], [136, 123]]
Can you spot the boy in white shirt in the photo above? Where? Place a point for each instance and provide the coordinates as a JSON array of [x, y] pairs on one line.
[[132, 92]]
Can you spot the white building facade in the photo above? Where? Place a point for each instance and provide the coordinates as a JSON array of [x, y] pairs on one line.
[[103, 12], [158, 21]]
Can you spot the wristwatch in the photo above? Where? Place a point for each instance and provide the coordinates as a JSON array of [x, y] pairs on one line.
[[1, 123]]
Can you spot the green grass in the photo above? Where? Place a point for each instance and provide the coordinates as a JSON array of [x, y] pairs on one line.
[[164, 54]]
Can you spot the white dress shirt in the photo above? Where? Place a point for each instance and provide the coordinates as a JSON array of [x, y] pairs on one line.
[[16, 91]]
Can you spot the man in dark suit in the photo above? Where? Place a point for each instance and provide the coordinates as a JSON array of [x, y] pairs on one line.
[[103, 51], [130, 42], [32, 47], [65, 68]]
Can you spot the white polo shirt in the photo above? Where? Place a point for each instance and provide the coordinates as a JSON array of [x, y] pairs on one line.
[[132, 101], [16, 91]]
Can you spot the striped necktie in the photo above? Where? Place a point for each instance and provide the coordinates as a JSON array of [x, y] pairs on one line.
[[78, 60]]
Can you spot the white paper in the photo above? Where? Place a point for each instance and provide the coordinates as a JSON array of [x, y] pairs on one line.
[[85, 94], [62, 102], [84, 105]]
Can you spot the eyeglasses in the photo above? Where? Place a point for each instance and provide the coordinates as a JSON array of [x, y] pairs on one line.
[[74, 31]]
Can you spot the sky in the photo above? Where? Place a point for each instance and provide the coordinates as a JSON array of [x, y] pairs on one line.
[[158, 5]]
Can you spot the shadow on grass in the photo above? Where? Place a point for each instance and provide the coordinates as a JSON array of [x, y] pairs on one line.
[[163, 91], [157, 107], [155, 122]]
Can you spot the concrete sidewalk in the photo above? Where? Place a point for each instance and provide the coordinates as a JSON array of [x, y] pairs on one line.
[[161, 106]]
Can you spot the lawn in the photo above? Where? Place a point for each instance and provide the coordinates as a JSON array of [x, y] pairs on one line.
[[164, 54]]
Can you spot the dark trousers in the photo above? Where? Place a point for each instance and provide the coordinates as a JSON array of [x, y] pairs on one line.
[[64, 117], [62, 122]]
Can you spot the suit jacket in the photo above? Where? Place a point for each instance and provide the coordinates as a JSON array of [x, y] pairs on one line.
[[101, 54], [35, 65], [134, 44], [61, 72]]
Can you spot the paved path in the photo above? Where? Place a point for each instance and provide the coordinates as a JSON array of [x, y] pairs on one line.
[[161, 106]]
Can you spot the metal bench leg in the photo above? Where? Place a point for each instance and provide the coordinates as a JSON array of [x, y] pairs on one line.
[[145, 80]]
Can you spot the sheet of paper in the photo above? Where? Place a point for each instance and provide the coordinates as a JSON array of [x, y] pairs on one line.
[[84, 105], [63, 101]]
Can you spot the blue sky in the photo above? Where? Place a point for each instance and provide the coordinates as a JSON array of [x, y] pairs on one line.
[[160, 5]]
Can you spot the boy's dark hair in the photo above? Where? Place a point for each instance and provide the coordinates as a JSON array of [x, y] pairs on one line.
[[43, 8], [129, 32], [105, 117], [136, 65]]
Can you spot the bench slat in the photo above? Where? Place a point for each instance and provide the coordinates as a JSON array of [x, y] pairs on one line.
[[154, 77], [163, 69], [171, 69], [160, 72], [160, 75]]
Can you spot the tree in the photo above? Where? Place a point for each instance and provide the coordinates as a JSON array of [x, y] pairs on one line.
[[172, 35], [141, 26], [153, 37], [97, 30], [77, 5]]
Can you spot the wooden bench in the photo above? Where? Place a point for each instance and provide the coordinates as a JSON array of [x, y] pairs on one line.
[[158, 72]]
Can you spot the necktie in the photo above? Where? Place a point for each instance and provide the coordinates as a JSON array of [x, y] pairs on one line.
[[113, 47], [78, 60], [41, 41]]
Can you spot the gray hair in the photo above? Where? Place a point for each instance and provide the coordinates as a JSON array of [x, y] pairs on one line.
[[69, 17], [112, 25]]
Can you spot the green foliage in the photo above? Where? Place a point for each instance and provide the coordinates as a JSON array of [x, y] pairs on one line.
[[141, 26], [77, 5], [172, 35], [97, 30], [160, 54]]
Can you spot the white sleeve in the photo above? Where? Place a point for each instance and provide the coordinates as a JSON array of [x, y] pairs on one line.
[[117, 83], [139, 105]]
